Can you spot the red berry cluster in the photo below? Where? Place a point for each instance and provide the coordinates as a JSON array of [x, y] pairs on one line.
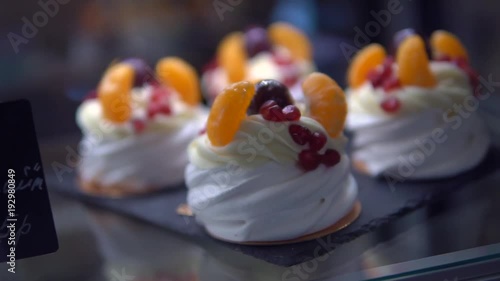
[[159, 103], [465, 66], [384, 76], [310, 159], [271, 111]]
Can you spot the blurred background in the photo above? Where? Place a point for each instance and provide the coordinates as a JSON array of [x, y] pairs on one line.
[[54, 51]]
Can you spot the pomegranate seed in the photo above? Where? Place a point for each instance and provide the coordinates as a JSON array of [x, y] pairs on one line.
[[330, 158], [153, 109], [282, 60], [309, 160], [160, 94], [299, 134], [391, 104], [443, 58], [139, 125], [291, 112], [211, 65], [317, 141], [271, 111], [377, 76], [460, 62], [374, 77], [391, 84], [291, 80], [164, 109]]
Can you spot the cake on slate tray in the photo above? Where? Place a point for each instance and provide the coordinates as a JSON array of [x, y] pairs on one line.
[[137, 125], [265, 172], [412, 116]]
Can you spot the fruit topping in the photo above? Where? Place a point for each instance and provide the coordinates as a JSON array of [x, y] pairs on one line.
[[181, 76], [444, 43], [291, 80], [256, 41], [139, 125], [330, 158], [271, 111], [365, 60], [317, 141], [269, 90], [289, 37], [391, 84], [291, 112], [380, 74], [414, 69], [391, 104], [232, 56], [160, 94], [114, 92], [309, 160], [143, 73], [228, 111], [327, 102], [299, 134]]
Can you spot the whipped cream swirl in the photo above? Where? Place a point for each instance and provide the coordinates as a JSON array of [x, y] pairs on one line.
[[114, 154], [252, 190], [429, 137]]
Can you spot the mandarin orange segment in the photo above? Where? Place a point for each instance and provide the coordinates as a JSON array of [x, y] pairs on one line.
[[114, 92], [291, 38], [181, 76], [232, 56], [413, 63], [228, 111], [365, 60], [444, 43], [327, 102]]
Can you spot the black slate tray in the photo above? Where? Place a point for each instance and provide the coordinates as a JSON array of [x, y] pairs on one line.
[[382, 203]]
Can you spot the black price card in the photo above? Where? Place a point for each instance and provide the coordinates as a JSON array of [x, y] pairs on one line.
[[26, 223]]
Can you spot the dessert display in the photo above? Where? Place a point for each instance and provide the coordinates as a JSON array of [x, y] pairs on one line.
[[136, 127], [282, 52], [415, 117], [265, 172]]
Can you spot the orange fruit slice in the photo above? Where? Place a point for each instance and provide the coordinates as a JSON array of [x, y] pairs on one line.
[[228, 111], [327, 102], [365, 60], [445, 43], [291, 38], [232, 56], [413, 63], [181, 76], [113, 92]]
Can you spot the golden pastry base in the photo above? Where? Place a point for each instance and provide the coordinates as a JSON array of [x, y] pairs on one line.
[[360, 166], [341, 224], [113, 191]]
